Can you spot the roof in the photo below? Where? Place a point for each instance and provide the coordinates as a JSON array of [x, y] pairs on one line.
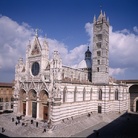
[[5, 84], [85, 64], [128, 81]]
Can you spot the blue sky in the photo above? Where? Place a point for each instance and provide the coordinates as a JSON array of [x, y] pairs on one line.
[[66, 23], [64, 20]]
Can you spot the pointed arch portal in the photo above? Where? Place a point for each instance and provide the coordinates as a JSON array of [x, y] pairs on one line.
[[44, 104], [22, 101], [34, 109], [32, 102]]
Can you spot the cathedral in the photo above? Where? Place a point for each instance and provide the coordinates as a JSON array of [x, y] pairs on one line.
[[46, 89]]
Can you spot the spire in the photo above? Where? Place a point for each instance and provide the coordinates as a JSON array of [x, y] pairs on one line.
[[45, 39], [36, 47], [94, 19], [104, 14], [88, 48], [20, 61], [29, 45], [101, 12], [36, 32], [100, 16]]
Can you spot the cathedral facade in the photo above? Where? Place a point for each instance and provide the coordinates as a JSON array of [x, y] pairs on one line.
[[46, 89]]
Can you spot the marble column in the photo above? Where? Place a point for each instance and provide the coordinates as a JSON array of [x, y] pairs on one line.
[[49, 109], [15, 107], [38, 110], [18, 101], [27, 106]]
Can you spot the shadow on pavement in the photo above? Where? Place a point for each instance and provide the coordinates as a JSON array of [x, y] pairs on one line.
[[126, 126], [3, 136]]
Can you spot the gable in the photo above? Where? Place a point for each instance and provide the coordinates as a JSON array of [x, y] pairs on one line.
[[36, 47], [35, 50]]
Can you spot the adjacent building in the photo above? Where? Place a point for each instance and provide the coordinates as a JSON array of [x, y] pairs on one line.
[[6, 97]]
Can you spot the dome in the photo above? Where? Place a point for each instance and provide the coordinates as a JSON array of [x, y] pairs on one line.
[[85, 64]]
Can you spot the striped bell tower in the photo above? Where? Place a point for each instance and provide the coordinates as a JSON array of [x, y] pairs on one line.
[[100, 52]]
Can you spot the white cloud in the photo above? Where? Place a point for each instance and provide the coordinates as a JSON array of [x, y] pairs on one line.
[[116, 71], [123, 53], [135, 28], [122, 50], [89, 30], [14, 39], [69, 58]]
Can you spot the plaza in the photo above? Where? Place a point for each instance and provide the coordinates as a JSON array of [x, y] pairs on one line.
[[107, 125]]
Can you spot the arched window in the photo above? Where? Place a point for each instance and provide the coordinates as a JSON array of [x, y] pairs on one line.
[[71, 75], [1, 99], [97, 69], [1, 107], [84, 94], [12, 99], [75, 91], [6, 106], [6, 99], [98, 61], [65, 95], [91, 94], [109, 93], [106, 70], [89, 76], [63, 74], [100, 94], [11, 106], [79, 77], [116, 94], [98, 53], [98, 45]]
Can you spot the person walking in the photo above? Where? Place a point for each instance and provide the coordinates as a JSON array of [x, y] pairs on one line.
[[3, 129], [44, 125], [44, 130]]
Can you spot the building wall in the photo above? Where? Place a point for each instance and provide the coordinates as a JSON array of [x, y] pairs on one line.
[[6, 97], [71, 74], [87, 100]]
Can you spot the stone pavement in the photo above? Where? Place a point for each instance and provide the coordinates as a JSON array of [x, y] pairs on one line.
[[85, 133], [126, 126], [80, 126]]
